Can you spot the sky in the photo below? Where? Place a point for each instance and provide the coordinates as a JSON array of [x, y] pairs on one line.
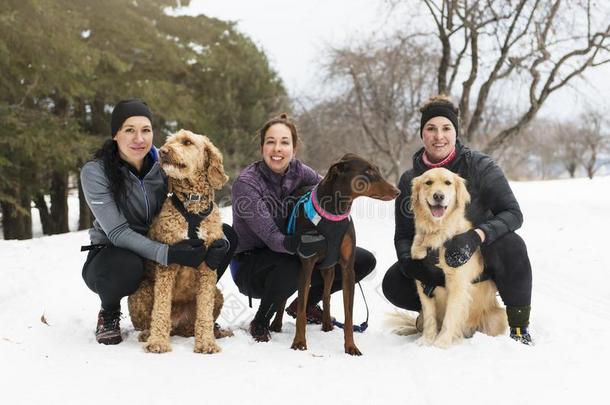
[[294, 35]]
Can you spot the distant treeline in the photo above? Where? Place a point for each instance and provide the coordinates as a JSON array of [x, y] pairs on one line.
[[64, 63]]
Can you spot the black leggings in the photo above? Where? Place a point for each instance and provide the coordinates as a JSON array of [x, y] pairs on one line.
[[273, 277], [113, 272], [506, 261]]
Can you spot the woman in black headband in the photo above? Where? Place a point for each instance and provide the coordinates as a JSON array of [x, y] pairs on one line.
[[493, 210], [125, 188]]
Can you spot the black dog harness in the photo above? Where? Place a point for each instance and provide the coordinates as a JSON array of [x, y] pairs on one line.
[[193, 219], [331, 226]]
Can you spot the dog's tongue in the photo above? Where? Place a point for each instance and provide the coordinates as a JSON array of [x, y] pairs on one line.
[[437, 210]]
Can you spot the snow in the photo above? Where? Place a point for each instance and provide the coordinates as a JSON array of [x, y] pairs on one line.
[[565, 228]]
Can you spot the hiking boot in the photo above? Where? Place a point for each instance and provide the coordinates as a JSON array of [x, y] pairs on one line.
[[259, 332], [313, 313], [521, 335], [108, 331]]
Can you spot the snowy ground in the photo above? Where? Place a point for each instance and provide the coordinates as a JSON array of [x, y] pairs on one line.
[[565, 227]]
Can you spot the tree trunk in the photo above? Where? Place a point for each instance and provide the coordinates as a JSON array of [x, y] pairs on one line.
[[17, 224], [59, 202], [85, 219], [43, 213], [590, 171]]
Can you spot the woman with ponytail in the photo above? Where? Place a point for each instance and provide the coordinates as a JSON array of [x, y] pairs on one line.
[[125, 188]]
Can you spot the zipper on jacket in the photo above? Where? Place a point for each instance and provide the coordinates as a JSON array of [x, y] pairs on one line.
[[141, 181]]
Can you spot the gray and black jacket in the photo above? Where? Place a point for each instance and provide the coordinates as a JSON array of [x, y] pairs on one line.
[[493, 207], [126, 225]]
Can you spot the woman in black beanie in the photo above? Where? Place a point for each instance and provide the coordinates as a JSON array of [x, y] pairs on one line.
[[493, 210], [125, 188]]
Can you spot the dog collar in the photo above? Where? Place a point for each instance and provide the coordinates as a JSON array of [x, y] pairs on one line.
[[325, 214]]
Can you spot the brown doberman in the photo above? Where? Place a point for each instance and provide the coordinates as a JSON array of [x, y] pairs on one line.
[[331, 201]]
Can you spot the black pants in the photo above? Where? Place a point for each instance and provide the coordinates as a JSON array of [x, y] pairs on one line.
[[114, 273], [506, 261], [273, 277]]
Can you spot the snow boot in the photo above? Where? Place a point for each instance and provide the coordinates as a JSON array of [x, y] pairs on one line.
[[518, 320], [108, 331], [260, 332]]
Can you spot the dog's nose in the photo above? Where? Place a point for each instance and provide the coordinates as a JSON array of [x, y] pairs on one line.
[[438, 196]]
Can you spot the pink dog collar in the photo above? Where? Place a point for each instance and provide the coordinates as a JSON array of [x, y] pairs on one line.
[[322, 212]]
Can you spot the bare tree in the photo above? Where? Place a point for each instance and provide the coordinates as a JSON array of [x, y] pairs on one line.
[[595, 142], [384, 84], [569, 146], [544, 44]]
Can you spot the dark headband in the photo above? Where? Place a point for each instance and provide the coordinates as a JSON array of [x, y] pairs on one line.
[[125, 109], [439, 110]]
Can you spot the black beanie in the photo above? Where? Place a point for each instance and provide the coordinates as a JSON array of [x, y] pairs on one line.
[[439, 110], [125, 109]]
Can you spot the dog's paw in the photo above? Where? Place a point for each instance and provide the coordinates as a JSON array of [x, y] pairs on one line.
[[144, 335], [207, 347], [327, 327], [157, 346], [352, 350], [425, 340], [443, 341], [220, 333], [299, 345]]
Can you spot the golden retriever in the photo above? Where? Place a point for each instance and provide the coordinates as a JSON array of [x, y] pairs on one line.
[[176, 299], [439, 198]]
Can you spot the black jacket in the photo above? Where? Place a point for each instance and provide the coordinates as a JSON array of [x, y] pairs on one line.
[[493, 207]]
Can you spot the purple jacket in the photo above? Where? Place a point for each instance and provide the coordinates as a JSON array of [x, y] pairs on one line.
[[259, 197]]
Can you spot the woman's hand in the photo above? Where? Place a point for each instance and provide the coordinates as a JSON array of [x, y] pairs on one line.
[[216, 253], [189, 252], [460, 248]]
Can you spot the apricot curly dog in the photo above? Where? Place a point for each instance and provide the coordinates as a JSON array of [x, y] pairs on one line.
[[175, 299]]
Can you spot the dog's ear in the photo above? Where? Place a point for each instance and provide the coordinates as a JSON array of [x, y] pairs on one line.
[[461, 192], [336, 169], [214, 169]]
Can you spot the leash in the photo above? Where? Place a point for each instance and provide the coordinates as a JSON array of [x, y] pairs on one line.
[[364, 325]]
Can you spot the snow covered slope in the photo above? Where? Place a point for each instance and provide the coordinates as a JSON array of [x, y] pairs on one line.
[[566, 226]]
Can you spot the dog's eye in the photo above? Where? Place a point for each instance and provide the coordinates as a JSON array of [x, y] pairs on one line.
[[447, 182], [429, 183], [186, 142]]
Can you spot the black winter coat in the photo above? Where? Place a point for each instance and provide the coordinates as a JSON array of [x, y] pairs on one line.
[[493, 207]]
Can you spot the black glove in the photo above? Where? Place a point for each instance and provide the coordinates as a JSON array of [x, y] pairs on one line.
[[460, 248], [189, 252], [424, 270], [216, 253], [305, 245]]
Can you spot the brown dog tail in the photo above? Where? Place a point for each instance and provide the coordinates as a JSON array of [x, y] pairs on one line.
[[401, 323]]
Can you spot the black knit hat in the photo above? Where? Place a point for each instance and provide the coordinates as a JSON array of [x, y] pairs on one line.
[[128, 108], [439, 110]]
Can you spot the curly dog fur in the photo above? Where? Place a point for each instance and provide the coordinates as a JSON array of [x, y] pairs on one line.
[[174, 299], [461, 308]]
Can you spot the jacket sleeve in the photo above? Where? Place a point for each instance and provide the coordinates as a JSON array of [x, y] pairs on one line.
[[403, 218], [99, 197], [497, 196], [250, 205]]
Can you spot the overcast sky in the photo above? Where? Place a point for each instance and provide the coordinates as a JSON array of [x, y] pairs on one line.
[[294, 35]]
